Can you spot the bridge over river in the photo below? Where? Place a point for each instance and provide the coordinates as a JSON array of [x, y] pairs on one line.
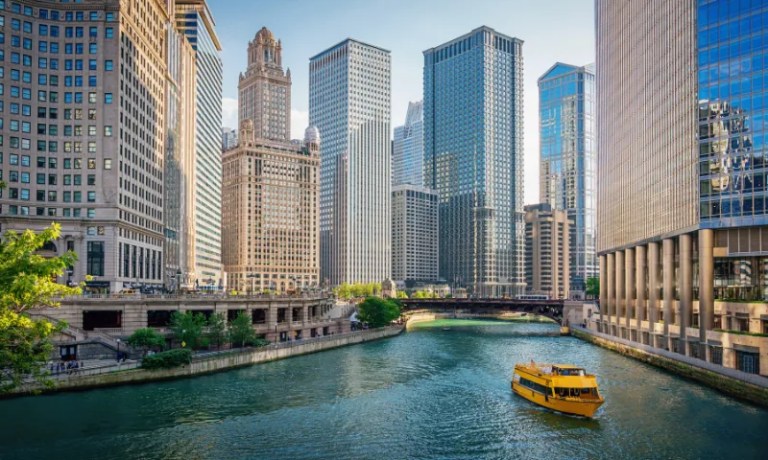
[[552, 309]]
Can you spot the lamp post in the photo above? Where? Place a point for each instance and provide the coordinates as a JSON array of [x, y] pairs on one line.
[[118, 350], [69, 277]]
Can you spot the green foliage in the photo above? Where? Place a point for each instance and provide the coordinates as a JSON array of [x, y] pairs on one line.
[[378, 312], [167, 359], [28, 281], [593, 286], [357, 290], [424, 295], [217, 329], [146, 339], [241, 330], [187, 327], [402, 295]]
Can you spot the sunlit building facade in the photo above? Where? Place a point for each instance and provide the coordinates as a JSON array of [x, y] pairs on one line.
[[270, 189], [568, 160], [547, 252], [350, 103], [195, 22], [682, 230], [414, 233], [83, 134], [473, 158]]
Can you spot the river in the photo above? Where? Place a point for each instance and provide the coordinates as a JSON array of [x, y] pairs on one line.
[[440, 391]]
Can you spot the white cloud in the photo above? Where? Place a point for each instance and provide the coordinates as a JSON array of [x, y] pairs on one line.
[[299, 123], [229, 112]]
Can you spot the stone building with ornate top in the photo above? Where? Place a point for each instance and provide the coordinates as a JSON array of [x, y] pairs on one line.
[[270, 184]]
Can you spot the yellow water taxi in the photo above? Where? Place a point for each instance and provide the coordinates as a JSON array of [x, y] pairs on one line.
[[561, 387]]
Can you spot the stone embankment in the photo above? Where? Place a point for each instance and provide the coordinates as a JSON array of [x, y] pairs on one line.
[[740, 385], [217, 361]]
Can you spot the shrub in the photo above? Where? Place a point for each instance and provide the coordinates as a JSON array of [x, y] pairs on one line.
[[167, 359]]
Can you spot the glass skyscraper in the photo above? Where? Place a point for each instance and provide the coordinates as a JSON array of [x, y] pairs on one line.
[[408, 148], [195, 21], [473, 158], [569, 160], [350, 103]]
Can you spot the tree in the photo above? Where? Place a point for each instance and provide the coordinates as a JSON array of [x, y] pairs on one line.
[[188, 328], [593, 287], [146, 338], [402, 295], [27, 282], [217, 329], [241, 330], [377, 312], [342, 291]]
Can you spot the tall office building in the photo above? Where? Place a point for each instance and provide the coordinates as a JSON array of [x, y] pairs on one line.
[[349, 102], [83, 133], [408, 148], [568, 162], [547, 252], [684, 221], [228, 138], [414, 233], [194, 20], [264, 90], [473, 154], [270, 185]]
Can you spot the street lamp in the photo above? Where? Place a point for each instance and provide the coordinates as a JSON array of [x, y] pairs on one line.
[[118, 350]]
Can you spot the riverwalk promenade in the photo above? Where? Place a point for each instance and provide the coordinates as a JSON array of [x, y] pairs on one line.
[[130, 372]]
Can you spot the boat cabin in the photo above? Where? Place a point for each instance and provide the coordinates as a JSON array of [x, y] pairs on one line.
[[567, 371]]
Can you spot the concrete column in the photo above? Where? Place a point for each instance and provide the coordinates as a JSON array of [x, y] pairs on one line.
[[686, 288], [620, 288], [629, 288], [640, 285], [653, 284], [603, 289], [610, 299], [668, 270], [305, 314], [706, 283]]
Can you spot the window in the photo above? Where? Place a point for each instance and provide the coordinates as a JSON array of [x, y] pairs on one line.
[[108, 65], [107, 131], [107, 98], [91, 163], [107, 163], [109, 32], [91, 197], [95, 264], [91, 179]]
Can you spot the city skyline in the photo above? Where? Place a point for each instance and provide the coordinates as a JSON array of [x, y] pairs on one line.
[[572, 28]]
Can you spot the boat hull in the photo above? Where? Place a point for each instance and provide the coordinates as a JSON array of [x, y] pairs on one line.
[[566, 406]]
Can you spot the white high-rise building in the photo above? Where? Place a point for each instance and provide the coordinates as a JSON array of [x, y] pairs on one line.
[[414, 233], [350, 103], [228, 138]]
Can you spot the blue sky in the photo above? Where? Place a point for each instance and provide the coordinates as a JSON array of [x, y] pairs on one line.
[[553, 30]]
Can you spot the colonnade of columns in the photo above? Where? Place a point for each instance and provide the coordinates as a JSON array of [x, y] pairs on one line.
[[634, 285]]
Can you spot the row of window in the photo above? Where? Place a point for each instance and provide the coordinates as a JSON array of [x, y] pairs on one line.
[[50, 196], [16, 210], [55, 15], [68, 163]]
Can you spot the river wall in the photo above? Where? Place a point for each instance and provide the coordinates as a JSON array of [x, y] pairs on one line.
[[740, 385], [214, 362]]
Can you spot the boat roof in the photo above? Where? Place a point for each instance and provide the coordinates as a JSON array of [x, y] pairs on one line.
[[566, 366]]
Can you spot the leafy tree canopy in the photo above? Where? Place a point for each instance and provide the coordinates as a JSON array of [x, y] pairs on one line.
[[378, 312], [188, 327], [146, 339], [241, 330]]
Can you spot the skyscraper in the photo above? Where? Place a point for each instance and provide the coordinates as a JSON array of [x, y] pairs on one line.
[[568, 162], [349, 102], [547, 251], [681, 187], [94, 160], [414, 233], [408, 148], [228, 138], [195, 21], [270, 185], [473, 141]]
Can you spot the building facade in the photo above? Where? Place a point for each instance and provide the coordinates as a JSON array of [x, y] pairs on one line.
[[547, 251], [350, 103], [228, 138], [681, 228], [83, 133], [264, 90], [270, 192], [408, 148], [568, 159], [195, 22], [473, 158], [414, 234]]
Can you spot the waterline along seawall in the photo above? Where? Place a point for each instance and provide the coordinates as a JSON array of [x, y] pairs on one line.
[[214, 362], [747, 387]]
